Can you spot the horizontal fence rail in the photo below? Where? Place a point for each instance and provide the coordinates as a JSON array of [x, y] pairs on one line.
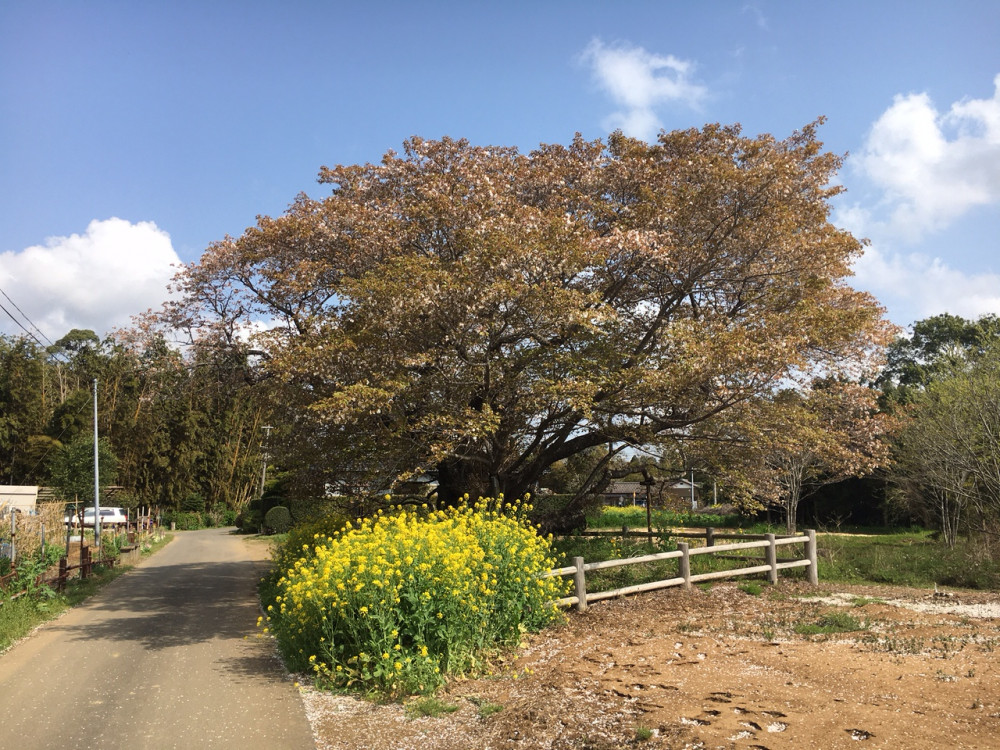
[[710, 534], [769, 544], [128, 554]]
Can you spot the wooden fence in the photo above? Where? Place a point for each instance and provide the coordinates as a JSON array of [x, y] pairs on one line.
[[769, 543], [710, 534], [128, 554]]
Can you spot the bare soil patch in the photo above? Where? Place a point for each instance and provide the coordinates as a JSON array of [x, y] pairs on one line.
[[720, 669]]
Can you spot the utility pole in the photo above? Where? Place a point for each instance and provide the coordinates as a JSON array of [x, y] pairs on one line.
[[97, 484], [694, 502], [263, 457]]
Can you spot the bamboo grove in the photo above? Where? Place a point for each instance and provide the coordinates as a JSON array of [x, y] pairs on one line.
[[177, 432]]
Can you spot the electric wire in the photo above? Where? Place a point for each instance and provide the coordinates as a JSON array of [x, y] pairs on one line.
[[51, 349], [19, 323], [30, 321]]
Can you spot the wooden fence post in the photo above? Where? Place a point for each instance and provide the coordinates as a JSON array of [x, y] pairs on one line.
[[685, 563], [771, 558], [580, 585], [710, 536], [811, 555]]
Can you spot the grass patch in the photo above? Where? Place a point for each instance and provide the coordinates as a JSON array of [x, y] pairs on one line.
[[862, 601], [834, 622], [642, 734], [485, 708], [429, 706], [910, 558], [634, 516], [752, 588]]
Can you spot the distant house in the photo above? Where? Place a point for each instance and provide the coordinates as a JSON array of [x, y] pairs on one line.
[[625, 493], [665, 493], [22, 497]]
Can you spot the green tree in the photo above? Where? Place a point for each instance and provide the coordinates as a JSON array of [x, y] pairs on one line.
[[73, 469], [935, 344], [948, 455], [785, 447], [486, 314], [24, 407]]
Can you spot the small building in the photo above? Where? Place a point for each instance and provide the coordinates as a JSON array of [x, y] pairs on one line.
[[666, 493], [22, 497], [625, 493]]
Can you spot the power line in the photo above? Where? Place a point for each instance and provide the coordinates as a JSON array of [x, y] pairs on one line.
[[11, 316], [55, 353], [39, 330]]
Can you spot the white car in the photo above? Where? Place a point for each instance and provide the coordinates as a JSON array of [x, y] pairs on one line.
[[109, 517]]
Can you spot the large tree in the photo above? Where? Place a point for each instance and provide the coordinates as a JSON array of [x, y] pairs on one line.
[[934, 345], [484, 314], [25, 406], [948, 455], [801, 440]]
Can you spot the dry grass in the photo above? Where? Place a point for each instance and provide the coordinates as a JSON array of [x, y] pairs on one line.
[[29, 528]]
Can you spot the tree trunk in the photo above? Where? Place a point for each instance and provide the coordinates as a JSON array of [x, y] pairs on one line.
[[456, 478]]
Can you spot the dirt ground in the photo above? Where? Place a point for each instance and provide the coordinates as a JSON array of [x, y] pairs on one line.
[[719, 668]]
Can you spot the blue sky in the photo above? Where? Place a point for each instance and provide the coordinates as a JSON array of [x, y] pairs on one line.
[[132, 134]]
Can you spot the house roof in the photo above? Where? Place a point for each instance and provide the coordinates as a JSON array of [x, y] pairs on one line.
[[639, 489], [625, 488]]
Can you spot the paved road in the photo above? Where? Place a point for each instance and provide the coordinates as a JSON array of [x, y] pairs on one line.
[[164, 657]]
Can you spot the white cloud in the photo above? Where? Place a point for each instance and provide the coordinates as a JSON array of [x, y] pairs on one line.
[[934, 167], [640, 81], [758, 16], [914, 286], [95, 280]]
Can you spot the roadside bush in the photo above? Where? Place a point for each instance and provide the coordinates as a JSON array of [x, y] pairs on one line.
[[27, 572], [399, 601], [249, 521], [183, 521], [301, 542], [308, 509], [278, 520], [219, 515]]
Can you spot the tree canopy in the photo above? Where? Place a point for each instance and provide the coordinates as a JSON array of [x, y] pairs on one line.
[[176, 426], [935, 344], [945, 380], [483, 314], [787, 446]]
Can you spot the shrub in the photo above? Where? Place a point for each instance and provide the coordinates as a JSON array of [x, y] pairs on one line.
[[308, 509], [301, 541], [278, 520], [400, 600], [219, 515], [249, 521], [183, 521]]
